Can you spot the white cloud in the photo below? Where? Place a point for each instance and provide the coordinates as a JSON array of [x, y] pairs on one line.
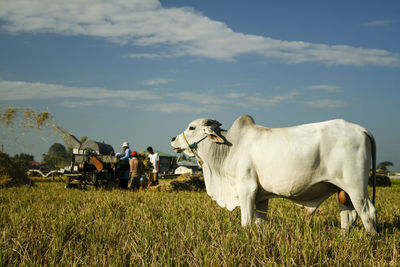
[[326, 103], [235, 95], [379, 23], [259, 100], [147, 23], [206, 98], [178, 101], [327, 88], [151, 56], [210, 100], [143, 55], [157, 81], [88, 103], [16, 90]]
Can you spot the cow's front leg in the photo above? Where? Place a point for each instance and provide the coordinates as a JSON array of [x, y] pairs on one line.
[[247, 196]]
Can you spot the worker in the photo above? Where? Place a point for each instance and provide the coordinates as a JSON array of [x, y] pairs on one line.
[[155, 161], [127, 151], [136, 172], [124, 166]]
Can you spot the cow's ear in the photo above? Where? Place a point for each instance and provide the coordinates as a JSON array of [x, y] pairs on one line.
[[212, 123], [213, 135]]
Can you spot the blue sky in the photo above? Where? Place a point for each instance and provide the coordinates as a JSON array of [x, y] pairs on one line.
[[141, 70]]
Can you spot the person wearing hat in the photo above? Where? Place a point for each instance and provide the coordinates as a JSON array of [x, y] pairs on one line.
[[127, 151], [124, 166]]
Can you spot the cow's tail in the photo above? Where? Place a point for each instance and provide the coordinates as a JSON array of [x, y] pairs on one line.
[[373, 154]]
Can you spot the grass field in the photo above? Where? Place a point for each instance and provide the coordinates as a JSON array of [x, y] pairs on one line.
[[48, 225]]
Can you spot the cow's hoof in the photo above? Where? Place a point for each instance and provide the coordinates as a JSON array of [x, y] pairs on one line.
[[344, 231]]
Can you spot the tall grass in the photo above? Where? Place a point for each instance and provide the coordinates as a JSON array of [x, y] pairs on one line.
[[49, 225]]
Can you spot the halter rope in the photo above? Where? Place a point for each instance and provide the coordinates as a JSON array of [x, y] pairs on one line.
[[193, 148]]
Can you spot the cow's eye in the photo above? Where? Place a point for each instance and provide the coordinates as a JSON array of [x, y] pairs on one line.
[[191, 128]]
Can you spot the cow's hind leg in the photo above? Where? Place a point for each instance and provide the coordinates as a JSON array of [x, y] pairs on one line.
[[348, 215], [365, 209], [367, 212], [357, 188], [261, 211]]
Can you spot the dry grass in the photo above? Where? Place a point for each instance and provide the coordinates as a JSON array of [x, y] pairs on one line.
[[50, 225]]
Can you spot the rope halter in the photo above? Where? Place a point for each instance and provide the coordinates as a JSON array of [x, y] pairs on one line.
[[193, 148]]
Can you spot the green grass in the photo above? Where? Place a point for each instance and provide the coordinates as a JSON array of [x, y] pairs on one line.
[[395, 181], [49, 225]]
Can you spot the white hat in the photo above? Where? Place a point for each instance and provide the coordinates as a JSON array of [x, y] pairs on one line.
[[125, 144]]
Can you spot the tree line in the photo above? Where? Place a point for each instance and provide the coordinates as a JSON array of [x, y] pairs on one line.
[[58, 156]]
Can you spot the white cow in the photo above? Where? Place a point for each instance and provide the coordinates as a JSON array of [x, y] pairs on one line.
[[249, 164]]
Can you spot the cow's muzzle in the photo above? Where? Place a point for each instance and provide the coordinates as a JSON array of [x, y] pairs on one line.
[[174, 148]]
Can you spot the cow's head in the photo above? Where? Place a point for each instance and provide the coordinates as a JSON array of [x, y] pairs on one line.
[[197, 131]]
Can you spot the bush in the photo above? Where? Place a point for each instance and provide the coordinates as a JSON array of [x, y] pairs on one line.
[[11, 174], [381, 180]]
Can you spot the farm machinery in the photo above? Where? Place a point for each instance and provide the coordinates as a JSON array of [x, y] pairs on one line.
[[93, 163]]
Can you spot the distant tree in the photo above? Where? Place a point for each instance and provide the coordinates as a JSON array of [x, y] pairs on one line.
[[24, 156], [57, 150], [22, 160], [383, 165], [57, 156]]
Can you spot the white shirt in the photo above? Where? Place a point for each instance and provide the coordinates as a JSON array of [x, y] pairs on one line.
[[154, 159]]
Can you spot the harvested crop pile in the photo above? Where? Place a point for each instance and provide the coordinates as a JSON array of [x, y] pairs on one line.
[[185, 182], [381, 180], [10, 173]]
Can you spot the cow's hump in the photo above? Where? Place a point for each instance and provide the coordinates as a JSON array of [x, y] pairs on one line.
[[238, 126], [243, 121]]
